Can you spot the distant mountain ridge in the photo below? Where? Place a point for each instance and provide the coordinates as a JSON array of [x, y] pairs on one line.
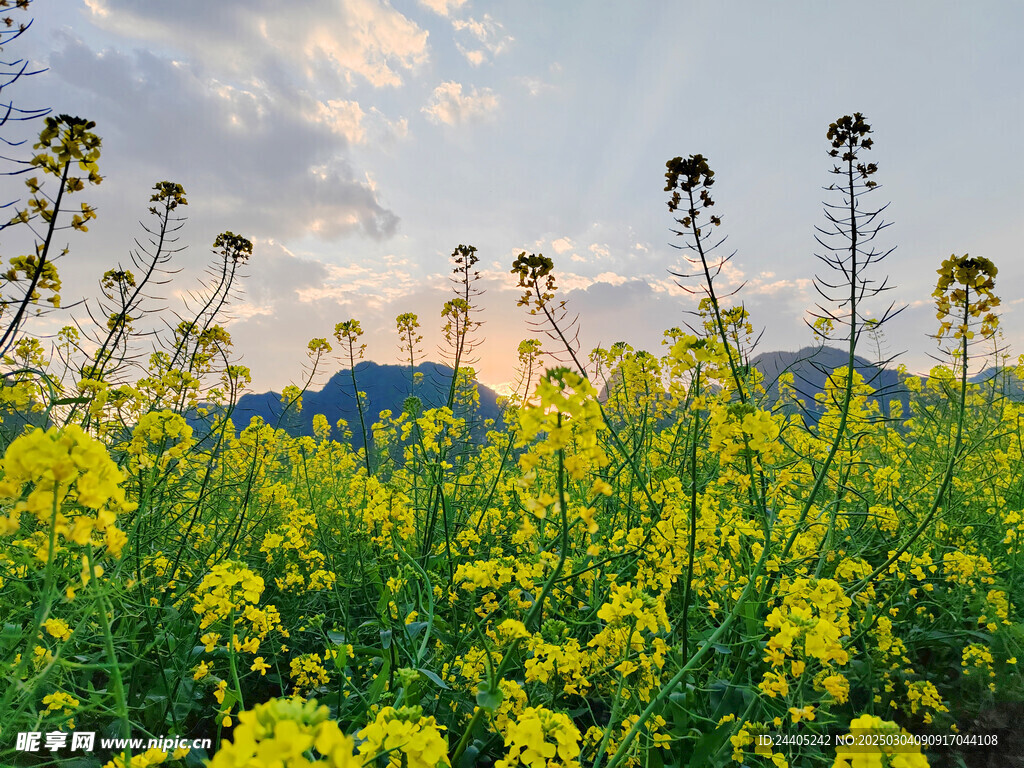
[[386, 386], [811, 367]]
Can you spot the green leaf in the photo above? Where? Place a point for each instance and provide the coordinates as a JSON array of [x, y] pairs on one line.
[[488, 696], [468, 759], [413, 629], [11, 632], [708, 745], [433, 677], [338, 638], [750, 611], [365, 650], [377, 688]]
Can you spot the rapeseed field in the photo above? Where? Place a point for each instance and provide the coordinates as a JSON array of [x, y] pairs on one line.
[[649, 560]]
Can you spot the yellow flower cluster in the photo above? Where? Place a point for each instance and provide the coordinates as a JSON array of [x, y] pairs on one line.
[[568, 414], [808, 627], [308, 672], [886, 479], [738, 427], [746, 736], [651, 735], [997, 607], [57, 628], [688, 351], [541, 738], [890, 654], [967, 569], [1013, 523], [68, 471], [977, 274], [227, 587], [230, 591], [385, 512], [467, 669], [513, 702], [977, 658], [925, 697], [629, 604], [152, 756], [404, 733], [288, 549], [159, 438], [882, 752], [486, 574], [59, 701], [21, 396], [282, 733], [564, 660]]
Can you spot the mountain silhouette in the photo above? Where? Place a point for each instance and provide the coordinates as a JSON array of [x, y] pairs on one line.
[[386, 387], [811, 367]]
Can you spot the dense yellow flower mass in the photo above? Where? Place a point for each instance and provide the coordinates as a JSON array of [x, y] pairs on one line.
[[540, 738], [652, 561], [406, 737], [631, 561], [283, 734], [877, 742], [73, 488]]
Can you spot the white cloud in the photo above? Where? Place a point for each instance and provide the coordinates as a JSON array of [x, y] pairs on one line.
[[665, 286], [724, 270], [612, 278], [443, 7], [534, 85], [343, 117], [349, 38], [359, 283], [246, 310], [349, 120], [569, 282], [562, 244], [759, 287], [766, 284], [600, 250], [487, 33], [475, 57], [451, 106], [160, 113], [398, 128]]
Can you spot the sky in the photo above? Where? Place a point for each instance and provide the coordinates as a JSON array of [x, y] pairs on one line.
[[358, 142]]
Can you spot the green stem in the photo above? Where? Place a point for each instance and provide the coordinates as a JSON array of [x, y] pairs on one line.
[[692, 543], [232, 663], [108, 643]]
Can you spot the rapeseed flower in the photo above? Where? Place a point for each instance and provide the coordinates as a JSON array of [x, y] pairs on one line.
[[281, 733], [875, 752], [63, 470], [541, 738], [404, 732]]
